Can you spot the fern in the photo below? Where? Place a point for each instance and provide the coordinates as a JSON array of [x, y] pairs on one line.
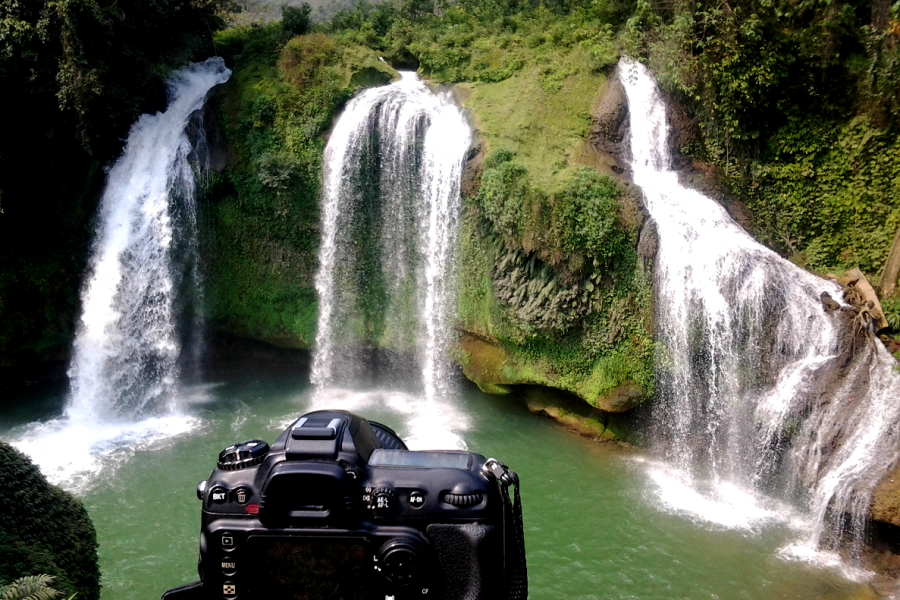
[[891, 310], [31, 587]]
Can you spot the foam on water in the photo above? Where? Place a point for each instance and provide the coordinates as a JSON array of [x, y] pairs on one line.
[[720, 504], [73, 453]]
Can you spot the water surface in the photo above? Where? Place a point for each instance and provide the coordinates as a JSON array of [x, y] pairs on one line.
[[593, 525]]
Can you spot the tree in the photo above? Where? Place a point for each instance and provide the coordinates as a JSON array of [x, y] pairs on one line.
[[296, 20]]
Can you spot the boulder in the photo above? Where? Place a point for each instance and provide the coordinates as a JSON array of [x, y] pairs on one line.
[[622, 399], [494, 369]]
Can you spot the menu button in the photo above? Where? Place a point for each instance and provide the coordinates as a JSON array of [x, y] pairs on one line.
[[229, 567]]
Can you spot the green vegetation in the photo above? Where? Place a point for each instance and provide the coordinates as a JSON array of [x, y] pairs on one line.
[[573, 310], [43, 531], [261, 219], [296, 19], [32, 587]]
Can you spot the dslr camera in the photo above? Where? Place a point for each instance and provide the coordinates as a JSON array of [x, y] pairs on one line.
[[339, 509]]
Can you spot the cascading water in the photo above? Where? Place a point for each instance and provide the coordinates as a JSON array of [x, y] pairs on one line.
[[124, 372], [393, 167], [744, 411]]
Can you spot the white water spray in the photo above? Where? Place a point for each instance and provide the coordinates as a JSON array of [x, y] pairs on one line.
[[125, 371], [744, 343], [392, 183]]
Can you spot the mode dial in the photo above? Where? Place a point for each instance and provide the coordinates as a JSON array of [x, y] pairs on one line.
[[383, 501], [243, 455]]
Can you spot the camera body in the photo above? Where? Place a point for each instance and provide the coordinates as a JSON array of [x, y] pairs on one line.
[[338, 508]]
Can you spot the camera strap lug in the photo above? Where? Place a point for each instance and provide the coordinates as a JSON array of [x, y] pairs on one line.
[[516, 575]]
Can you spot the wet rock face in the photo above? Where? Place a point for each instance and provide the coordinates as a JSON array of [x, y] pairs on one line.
[[648, 243], [205, 132], [886, 501], [471, 176], [609, 136]]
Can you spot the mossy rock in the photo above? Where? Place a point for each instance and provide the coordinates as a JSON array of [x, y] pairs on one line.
[[886, 501], [495, 368], [44, 530]]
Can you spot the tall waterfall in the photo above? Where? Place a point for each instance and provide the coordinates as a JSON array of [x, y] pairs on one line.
[[746, 411], [393, 168], [128, 352], [126, 355]]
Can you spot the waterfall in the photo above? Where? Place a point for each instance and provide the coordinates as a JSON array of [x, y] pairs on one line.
[[754, 409], [393, 168], [143, 274], [127, 349]]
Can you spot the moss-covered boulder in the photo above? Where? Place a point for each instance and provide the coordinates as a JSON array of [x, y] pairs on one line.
[[44, 530], [553, 288]]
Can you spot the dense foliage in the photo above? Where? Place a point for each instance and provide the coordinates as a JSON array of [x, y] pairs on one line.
[[798, 105], [75, 74], [557, 279], [44, 531], [485, 41]]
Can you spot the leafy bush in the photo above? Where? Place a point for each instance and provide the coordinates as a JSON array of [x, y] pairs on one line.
[[891, 309], [44, 530], [574, 229]]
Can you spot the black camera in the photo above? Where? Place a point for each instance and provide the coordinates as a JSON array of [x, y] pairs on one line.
[[339, 509]]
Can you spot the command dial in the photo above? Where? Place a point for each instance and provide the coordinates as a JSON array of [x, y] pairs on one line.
[[243, 455]]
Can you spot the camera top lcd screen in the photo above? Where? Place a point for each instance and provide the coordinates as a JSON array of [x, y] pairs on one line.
[[423, 460]]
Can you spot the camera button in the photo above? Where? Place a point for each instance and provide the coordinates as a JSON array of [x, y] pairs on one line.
[[227, 540], [416, 499], [241, 495], [219, 495], [229, 566], [229, 590]]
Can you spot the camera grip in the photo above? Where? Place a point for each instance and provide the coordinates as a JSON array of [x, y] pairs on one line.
[[467, 554]]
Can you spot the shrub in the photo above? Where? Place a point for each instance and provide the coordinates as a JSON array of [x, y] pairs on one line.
[[44, 530]]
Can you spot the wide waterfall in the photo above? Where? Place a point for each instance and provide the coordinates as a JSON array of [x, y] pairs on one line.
[[128, 352], [751, 417], [393, 168]]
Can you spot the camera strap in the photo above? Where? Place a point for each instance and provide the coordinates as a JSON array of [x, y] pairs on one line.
[[516, 575]]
